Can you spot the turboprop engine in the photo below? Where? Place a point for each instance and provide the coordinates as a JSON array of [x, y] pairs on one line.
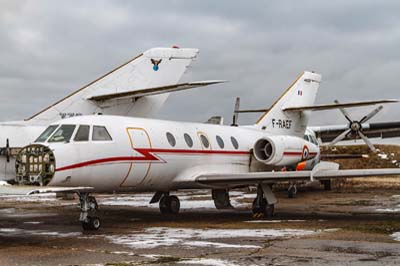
[[283, 150]]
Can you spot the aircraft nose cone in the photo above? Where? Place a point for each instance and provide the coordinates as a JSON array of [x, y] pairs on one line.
[[35, 165]]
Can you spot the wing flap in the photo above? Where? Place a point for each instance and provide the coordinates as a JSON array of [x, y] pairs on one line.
[[16, 190], [153, 91], [323, 107], [272, 177]]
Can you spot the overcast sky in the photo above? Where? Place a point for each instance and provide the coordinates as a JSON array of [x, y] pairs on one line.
[[51, 48]]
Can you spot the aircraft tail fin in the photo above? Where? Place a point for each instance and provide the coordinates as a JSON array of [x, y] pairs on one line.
[[154, 68], [302, 92]]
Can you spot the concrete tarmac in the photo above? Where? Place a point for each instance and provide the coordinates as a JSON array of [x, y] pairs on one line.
[[317, 227]]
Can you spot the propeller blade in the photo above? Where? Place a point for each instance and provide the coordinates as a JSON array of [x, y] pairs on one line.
[[370, 115], [344, 112], [8, 150], [367, 141], [340, 137], [236, 112]]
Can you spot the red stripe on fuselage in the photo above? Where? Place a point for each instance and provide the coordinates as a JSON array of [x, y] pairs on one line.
[[148, 156]]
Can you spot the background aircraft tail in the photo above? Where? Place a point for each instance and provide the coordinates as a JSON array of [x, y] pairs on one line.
[[154, 68], [302, 92]]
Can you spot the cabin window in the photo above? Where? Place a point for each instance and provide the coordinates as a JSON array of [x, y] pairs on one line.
[[205, 141], [171, 139], [83, 133], [235, 143], [63, 133], [188, 140], [46, 133], [220, 142], [100, 133]]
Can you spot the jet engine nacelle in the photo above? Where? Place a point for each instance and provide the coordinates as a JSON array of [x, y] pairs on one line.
[[283, 150]]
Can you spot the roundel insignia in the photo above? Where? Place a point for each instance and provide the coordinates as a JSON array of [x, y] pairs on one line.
[[305, 153]]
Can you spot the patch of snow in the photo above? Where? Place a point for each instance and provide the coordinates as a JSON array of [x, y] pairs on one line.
[[383, 156], [32, 222], [23, 232], [4, 183], [185, 237], [187, 202], [395, 209], [211, 262], [396, 236], [274, 221]]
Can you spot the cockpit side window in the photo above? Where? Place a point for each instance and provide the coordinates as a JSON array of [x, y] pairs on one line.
[[306, 137], [46, 133], [83, 133], [63, 133], [100, 133]]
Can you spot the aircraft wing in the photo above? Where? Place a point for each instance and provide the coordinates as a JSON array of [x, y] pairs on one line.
[[16, 190], [153, 91], [323, 107], [236, 179], [372, 130]]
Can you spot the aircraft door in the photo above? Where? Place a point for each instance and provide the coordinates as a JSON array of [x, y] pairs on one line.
[[138, 170]]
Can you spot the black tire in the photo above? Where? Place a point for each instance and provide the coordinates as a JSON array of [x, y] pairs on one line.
[[95, 223], [269, 210], [165, 205], [259, 208], [174, 204], [327, 184], [92, 224], [291, 192]]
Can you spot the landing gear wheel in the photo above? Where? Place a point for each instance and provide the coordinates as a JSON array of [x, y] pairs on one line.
[[327, 184], [262, 209], [91, 223], [169, 204], [292, 191], [258, 208], [164, 205], [174, 204]]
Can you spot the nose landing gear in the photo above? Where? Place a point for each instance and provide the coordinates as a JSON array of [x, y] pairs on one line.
[[88, 204]]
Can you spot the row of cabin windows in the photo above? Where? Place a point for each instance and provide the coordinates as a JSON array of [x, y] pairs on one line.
[[65, 132], [204, 140]]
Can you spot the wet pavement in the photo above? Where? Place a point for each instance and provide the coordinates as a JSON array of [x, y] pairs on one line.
[[317, 227]]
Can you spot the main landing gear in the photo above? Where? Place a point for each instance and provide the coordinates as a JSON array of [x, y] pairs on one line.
[[169, 204], [264, 203], [88, 204]]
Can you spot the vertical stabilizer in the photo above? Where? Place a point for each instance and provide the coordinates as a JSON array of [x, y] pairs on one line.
[[153, 68], [302, 92]]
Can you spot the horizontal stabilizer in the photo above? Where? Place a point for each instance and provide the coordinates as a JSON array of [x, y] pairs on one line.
[[322, 107], [252, 111], [154, 91]]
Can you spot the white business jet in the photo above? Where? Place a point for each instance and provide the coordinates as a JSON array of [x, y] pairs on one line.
[[101, 153], [137, 88]]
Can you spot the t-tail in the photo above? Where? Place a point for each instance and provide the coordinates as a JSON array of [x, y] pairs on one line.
[[148, 72], [283, 118]]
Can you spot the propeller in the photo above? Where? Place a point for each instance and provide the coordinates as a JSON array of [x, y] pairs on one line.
[[355, 127], [236, 112], [8, 150]]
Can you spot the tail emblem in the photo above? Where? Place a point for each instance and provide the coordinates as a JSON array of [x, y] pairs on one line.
[[300, 92], [155, 63]]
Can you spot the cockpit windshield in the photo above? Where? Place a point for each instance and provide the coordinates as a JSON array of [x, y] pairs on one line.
[[46, 133], [63, 134]]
